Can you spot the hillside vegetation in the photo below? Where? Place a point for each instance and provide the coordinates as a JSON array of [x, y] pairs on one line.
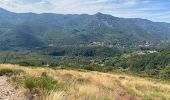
[[155, 65], [59, 84], [29, 30]]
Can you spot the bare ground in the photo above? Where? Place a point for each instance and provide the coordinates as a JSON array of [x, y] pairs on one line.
[[9, 92]]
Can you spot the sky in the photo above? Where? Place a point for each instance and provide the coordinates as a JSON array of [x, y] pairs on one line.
[[155, 10]]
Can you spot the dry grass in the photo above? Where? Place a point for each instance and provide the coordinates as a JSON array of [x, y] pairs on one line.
[[98, 86]]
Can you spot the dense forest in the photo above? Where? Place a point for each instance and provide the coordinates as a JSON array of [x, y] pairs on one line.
[[155, 64]]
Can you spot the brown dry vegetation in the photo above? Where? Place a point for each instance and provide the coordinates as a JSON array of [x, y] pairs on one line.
[[76, 85]]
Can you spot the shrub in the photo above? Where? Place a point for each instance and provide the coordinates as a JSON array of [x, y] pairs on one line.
[[45, 83], [10, 72], [38, 85], [165, 73], [83, 81], [44, 74]]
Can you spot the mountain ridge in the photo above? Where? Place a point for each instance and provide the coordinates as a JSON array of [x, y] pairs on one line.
[[77, 29], [98, 13]]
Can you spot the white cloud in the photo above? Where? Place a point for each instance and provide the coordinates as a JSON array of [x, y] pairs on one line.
[[149, 9], [64, 6]]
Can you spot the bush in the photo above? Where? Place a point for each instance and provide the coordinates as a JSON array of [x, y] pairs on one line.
[[44, 74], [10, 72], [44, 83], [97, 68], [40, 84], [165, 73], [83, 81]]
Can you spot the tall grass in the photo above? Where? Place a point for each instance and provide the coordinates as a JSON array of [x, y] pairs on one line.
[[74, 85]]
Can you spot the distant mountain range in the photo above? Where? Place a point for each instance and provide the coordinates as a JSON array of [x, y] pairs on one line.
[[32, 30]]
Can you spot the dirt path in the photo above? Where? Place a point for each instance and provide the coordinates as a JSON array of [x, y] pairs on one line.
[[8, 92]]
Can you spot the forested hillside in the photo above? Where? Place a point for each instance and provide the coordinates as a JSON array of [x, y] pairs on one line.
[[29, 30], [97, 42]]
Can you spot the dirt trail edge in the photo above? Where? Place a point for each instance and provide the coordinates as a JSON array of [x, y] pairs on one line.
[[8, 91]]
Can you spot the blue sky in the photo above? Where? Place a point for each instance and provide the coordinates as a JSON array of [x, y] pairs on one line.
[[155, 10]]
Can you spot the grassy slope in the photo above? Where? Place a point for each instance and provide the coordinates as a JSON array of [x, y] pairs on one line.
[[76, 85]]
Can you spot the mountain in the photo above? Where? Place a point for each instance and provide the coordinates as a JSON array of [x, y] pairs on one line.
[[31, 30]]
